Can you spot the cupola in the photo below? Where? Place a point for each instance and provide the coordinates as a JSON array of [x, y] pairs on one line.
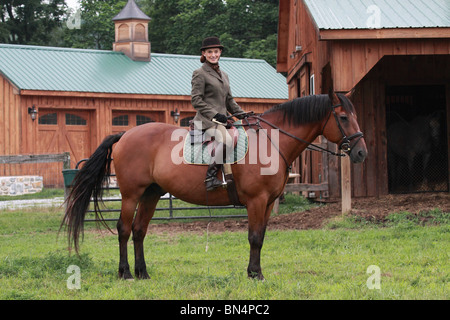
[[131, 26]]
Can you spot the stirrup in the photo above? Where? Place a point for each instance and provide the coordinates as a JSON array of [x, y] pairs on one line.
[[213, 183]]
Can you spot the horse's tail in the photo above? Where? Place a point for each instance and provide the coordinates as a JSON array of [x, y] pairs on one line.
[[88, 182]]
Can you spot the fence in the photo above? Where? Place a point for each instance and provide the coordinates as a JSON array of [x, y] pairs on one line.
[[44, 166], [171, 209]]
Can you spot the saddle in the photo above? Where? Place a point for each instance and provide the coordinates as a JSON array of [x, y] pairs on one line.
[[198, 148], [199, 136]]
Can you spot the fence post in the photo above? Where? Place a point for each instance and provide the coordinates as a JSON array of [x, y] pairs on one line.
[[66, 161], [346, 186]]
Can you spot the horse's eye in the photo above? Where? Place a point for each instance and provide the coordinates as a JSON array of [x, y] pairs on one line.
[[343, 117]]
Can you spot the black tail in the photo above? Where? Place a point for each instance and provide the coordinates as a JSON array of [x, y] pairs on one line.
[[88, 182]]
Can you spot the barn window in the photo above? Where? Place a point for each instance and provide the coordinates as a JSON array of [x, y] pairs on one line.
[[49, 118], [120, 120], [74, 120], [140, 119], [185, 121]]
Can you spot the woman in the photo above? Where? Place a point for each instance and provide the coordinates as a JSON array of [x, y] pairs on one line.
[[211, 97]]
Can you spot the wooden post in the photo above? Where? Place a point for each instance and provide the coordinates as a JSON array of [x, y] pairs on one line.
[[346, 186]]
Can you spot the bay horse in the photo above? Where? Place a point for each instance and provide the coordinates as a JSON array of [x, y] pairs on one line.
[[144, 171]]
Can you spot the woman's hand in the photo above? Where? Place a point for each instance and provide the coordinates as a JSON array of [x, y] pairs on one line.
[[221, 118]]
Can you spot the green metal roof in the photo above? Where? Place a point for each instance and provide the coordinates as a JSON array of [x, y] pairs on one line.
[[358, 14], [80, 70]]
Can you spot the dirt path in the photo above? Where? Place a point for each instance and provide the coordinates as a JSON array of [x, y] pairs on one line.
[[372, 208]]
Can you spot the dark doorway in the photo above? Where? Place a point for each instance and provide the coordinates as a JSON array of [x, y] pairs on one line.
[[416, 129]]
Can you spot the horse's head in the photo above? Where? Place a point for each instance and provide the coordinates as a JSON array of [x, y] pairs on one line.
[[341, 127]]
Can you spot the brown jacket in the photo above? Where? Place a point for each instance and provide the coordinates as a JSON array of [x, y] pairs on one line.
[[210, 95]]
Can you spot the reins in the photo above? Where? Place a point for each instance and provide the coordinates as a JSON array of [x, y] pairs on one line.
[[344, 144]]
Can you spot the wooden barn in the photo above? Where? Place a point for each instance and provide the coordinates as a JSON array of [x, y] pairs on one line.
[[55, 100], [395, 58]]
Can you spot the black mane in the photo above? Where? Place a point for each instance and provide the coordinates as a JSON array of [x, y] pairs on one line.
[[309, 109]]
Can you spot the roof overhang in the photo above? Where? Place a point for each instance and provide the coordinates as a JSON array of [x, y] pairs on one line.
[[394, 33], [135, 96]]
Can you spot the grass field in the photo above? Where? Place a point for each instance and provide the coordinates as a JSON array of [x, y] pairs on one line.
[[331, 263]]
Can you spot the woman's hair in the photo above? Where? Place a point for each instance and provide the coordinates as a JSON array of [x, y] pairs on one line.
[[202, 58]]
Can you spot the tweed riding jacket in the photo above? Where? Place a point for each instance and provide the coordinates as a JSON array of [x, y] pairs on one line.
[[210, 95]]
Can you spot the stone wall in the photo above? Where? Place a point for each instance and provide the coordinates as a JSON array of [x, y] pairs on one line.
[[18, 185]]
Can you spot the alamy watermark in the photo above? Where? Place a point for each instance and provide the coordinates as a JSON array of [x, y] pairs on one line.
[[374, 19], [74, 20], [74, 281], [374, 281]]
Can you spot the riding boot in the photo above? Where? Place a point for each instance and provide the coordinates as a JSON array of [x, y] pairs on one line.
[[211, 181]]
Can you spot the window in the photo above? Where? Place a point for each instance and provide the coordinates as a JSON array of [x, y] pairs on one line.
[[49, 118], [120, 120], [74, 120], [185, 121], [140, 119]]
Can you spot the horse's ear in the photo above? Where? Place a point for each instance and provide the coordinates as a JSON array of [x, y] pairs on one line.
[[333, 97], [349, 94]]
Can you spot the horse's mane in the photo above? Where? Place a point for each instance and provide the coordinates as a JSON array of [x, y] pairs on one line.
[[309, 109]]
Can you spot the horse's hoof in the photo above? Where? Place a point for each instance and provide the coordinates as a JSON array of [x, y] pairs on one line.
[[256, 275], [126, 275], [142, 275]]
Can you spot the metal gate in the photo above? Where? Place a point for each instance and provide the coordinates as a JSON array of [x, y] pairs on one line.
[[171, 208]]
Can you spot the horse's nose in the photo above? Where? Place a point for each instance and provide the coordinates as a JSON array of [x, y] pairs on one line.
[[358, 155], [362, 154]]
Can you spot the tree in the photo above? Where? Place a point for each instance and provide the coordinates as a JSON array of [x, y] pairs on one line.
[[97, 29], [247, 28], [30, 21]]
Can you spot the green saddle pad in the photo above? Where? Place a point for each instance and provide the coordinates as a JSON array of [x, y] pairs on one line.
[[198, 153]]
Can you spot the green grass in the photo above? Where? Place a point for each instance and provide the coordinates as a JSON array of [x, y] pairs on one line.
[[412, 252]]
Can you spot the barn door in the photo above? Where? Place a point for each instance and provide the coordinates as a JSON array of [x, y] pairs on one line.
[[416, 128], [63, 131]]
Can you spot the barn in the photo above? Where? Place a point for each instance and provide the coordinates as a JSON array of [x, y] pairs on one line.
[[394, 57], [55, 100]]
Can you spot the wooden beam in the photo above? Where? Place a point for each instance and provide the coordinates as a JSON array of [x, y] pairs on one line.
[[298, 187], [394, 33], [283, 39], [135, 96], [38, 158], [103, 95], [346, 186]]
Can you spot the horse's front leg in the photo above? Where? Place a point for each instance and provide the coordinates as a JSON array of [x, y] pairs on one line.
[[258, 216]]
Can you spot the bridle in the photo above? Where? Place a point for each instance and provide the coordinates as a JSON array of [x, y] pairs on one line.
[[345, 143]]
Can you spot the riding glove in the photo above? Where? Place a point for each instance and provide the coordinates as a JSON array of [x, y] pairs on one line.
[[221, 118]]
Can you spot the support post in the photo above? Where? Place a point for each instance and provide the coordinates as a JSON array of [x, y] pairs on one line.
[[346, 186]]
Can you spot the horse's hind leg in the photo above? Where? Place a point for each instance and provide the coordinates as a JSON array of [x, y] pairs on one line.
[[124, 231], [147, 205]]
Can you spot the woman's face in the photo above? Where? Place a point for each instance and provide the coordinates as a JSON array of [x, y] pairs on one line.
[[212, 55]]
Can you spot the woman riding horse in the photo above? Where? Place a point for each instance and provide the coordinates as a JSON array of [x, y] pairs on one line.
[[211, 97], [144, 172]]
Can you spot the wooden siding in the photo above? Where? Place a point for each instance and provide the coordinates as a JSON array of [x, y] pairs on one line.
[[10, 116], [351, 60], [366, 62], [20, 135]]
